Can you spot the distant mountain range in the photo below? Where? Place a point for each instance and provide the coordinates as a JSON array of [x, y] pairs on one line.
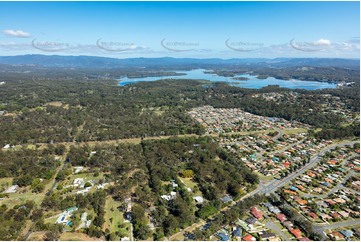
[[106, 62]]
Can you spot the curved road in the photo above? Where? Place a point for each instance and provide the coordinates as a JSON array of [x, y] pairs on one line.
[[275, 184]]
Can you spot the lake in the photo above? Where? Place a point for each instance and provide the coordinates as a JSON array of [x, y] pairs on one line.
[[253, 81]]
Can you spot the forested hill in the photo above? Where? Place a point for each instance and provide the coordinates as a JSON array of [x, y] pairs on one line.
[[105, 62]]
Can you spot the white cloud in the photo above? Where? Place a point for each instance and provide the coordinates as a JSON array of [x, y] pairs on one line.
[[16, 33], [322, 42]]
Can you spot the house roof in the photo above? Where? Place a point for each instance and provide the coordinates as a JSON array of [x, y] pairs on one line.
[[266, 235], [223, 236], [248, 237], [237, 232], [346, 233], [304, 239], [336, 234], [313, 215], [251, 220], [226, 199], [296, 232], [256, 213], [281, 217]]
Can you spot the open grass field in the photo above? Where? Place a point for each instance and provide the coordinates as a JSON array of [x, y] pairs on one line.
[[68, 236], [263, 177], [85, 176], [19, 198], [114, 218], [52, 219], [188, 182], [37, 236], [7, 181], [54, 104], [294, 131], [265, 131]]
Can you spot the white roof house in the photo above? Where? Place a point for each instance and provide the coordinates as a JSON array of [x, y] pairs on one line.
[[12, 189], [78, 169], [198, 199], [78, 182]]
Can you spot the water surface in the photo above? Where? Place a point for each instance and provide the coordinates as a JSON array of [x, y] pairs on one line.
[[252, 82]]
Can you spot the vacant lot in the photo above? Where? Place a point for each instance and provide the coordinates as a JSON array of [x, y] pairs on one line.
[[114, 218], [188, 182], [68, 236]]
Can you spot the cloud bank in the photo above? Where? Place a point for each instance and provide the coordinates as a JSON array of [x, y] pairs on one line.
[[16, 33]]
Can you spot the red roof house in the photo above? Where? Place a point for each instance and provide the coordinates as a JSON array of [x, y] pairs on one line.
[[313, 215], [296, 232], [256, 213], [248, 237], [281, 217]]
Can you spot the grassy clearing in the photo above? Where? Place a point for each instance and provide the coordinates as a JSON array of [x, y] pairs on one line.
[[7, 181], [37, 236], [263, 177], [265, 131], [52, 219], [318, 130], [25, 229], [114, 218], [294, 131], [85, 176], [188, 182], [55, 104], [178, 237], [19, 198], [69, 236]]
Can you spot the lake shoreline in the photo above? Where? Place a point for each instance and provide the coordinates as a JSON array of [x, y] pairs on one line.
[[244, 80]]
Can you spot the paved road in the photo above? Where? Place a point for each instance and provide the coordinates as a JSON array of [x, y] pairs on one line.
[[272, 226], [334, 189], [202, 222], [287, 147], [321, 228], [50, 189], [277, 230], [279, 135], [275, 184]]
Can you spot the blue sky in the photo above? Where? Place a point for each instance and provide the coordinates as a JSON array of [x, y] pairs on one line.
[[181, 29]]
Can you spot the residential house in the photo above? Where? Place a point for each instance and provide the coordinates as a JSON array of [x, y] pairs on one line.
[[289, 192], [237, 233], [300, 201], [281, 217], [242, 224], [347, 233], [248, 237], [256, 213], [325, 217], [344, 214], [223, 236], [318, 189], [12, 189], [336, 235], [251, 220], [303, 239], [330, 202], [335, 215], [313, 215], [226, 199], [288, 224], [265, 235], [339, 200], [296, 232], [78, 182], [198, 199]]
